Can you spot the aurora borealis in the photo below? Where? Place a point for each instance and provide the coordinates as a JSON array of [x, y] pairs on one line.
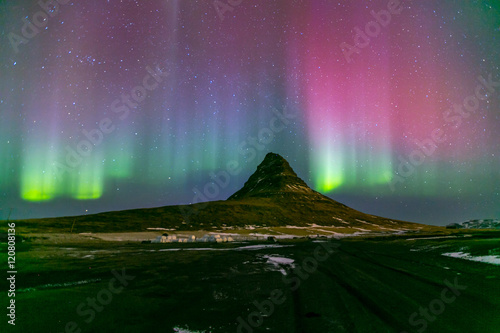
[[123, 104]]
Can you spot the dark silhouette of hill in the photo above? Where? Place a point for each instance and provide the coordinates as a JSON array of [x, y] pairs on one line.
[[273, 196]]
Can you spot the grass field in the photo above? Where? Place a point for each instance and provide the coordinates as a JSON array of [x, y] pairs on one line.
[[348, 285]]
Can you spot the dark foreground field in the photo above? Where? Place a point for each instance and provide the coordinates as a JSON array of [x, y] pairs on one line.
[[353, 285]]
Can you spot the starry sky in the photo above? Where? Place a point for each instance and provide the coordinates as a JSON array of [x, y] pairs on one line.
[[391, 107]]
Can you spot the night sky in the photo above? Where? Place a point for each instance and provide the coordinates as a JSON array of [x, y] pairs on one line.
[[118, 104]]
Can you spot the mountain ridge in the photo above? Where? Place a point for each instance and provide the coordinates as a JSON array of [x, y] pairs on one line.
[[476, 224], [274, 176], [273, 196]]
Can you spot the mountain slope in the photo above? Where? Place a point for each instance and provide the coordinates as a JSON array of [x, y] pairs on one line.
[[273, 196], [295, 203], [274, 177]]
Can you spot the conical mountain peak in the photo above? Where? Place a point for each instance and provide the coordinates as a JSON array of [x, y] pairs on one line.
[[274, 177], [275, 164]]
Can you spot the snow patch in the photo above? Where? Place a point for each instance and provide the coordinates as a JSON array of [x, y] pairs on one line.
[[329, 232], [437, 237], [241, 248], [185, 330], [60, 285], [340, 220], [360, 229], [160, 229], [263, 246], [375, 225], [282, 236], [280, 263], [489, 259]]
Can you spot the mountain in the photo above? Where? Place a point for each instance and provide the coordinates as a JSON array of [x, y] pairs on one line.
[[293, 202], [275, 178], [476, 224], [273, 196]]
